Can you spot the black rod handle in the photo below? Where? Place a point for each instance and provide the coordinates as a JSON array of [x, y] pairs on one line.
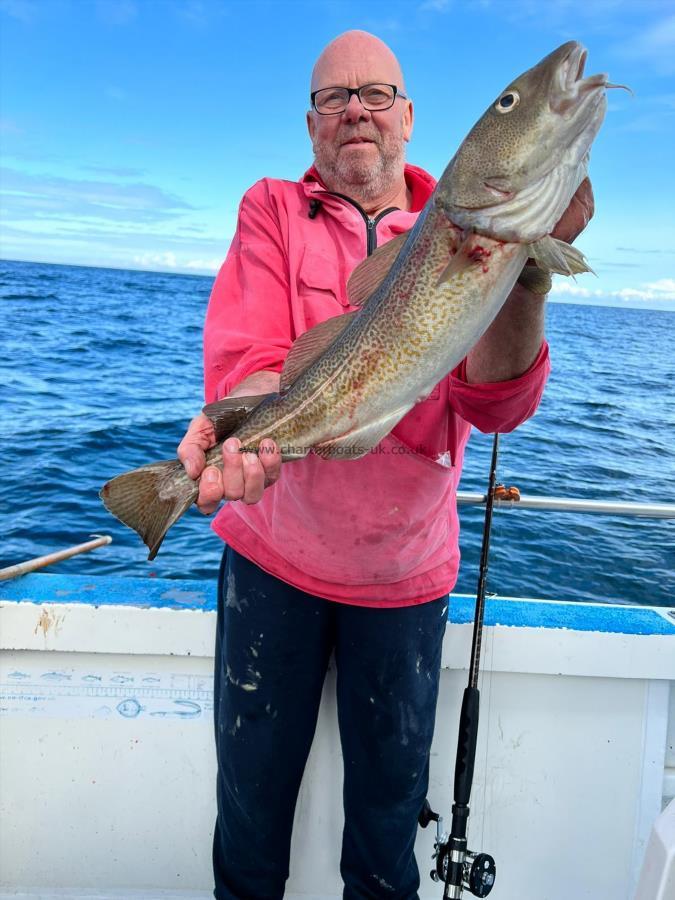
[[466, 745]]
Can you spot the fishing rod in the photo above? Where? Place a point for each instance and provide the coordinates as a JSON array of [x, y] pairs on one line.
[[457, 867]]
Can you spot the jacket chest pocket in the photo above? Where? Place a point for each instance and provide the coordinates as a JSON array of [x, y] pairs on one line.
[[320, 289]]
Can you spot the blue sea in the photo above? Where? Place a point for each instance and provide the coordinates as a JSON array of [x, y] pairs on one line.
[[100, 371]]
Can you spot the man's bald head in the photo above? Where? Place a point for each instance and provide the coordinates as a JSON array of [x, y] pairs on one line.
[[360, 152], [346, 57]]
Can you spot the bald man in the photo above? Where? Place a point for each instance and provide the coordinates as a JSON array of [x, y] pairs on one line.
[[354, 558]]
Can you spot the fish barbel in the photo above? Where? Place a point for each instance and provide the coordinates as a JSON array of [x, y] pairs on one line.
[[423, 299]]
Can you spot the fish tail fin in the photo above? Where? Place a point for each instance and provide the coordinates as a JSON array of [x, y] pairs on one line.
[[150, 499]]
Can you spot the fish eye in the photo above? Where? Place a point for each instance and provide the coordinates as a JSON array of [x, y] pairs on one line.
[[507, 101]]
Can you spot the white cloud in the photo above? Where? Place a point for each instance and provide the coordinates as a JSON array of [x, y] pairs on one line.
[[663, 289], [209, 265], [167, 260], [663, 285], [51, 195]]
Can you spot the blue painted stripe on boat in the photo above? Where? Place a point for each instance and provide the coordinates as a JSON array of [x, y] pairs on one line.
[[159, 593], [573, 616], [111, 590]]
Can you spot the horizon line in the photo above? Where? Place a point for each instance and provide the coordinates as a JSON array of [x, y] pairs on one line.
[[657, 305]]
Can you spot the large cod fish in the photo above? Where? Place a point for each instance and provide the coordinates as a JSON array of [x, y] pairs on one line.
[[423, 299]]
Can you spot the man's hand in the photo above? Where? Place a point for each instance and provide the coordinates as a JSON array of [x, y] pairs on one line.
[[577, 215], [245, 475]]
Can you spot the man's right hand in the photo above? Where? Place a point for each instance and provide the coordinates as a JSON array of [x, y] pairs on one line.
[[245, 475]]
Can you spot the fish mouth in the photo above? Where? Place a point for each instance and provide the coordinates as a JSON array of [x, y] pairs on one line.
[[501, 193], [570, 90]]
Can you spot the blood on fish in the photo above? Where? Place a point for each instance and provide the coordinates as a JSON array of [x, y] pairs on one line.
[[477, 253]]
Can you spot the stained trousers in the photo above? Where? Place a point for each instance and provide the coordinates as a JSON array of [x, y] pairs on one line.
[[273, 644]]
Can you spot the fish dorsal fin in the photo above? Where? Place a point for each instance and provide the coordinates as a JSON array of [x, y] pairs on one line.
[[369, 274], [228, 414], [309, 347], [553, 255], [361, 441]]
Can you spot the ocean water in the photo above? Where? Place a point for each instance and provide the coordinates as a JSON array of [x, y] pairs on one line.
[[100, 371]]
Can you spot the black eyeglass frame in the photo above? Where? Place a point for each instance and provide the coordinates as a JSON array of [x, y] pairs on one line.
[[357, 91]]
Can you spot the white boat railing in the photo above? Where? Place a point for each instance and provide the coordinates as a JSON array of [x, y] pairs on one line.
[[566, 504]]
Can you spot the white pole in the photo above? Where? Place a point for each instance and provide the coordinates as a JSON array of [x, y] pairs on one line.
[[565, 504]]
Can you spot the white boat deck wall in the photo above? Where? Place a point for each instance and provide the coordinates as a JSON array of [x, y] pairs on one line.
[[107, 769]]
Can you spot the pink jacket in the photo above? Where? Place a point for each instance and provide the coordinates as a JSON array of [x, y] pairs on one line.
[[381, 530]]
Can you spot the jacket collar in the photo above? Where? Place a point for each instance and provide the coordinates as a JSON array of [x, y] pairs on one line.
[[420, 183]]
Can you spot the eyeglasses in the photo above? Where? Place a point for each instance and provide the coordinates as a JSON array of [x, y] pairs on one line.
[[332, 101]]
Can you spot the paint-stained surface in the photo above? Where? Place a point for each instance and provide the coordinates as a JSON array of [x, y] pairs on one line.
[[48, 620]]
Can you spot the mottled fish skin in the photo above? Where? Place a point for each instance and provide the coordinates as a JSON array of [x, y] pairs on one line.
[[390, 355], [411, 333]]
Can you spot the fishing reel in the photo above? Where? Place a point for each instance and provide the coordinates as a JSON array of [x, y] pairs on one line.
[[456, 867]]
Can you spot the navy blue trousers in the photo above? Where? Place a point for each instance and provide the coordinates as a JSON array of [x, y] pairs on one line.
[[273, 644]]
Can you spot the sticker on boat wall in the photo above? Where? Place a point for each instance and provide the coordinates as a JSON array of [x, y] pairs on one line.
[[85, 692]]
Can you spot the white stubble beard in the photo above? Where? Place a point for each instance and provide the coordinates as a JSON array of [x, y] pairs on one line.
[[363, 180]]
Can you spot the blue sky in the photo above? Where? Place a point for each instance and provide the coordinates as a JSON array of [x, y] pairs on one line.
[[129, 129]]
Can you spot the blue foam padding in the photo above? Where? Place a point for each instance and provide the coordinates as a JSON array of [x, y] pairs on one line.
[[571, 615], [158, 593], [111, 590]]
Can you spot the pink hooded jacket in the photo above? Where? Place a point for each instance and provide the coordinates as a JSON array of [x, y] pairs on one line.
[[381, 530]]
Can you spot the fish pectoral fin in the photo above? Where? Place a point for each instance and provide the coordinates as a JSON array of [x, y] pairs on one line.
[[459, 263], [309, 347], [553, 255], [361, 441], [228, 414], [369, 274]]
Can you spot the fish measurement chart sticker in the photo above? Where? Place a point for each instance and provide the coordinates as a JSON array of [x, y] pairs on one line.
[[87, 692]]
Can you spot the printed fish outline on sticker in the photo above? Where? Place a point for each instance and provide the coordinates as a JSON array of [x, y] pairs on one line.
[[192, 710], [129, 708]]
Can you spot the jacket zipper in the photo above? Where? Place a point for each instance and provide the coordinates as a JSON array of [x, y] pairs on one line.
[[371, 224], [371, 236]]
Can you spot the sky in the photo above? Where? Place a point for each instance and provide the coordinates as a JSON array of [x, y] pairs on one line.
[[129, 129]]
